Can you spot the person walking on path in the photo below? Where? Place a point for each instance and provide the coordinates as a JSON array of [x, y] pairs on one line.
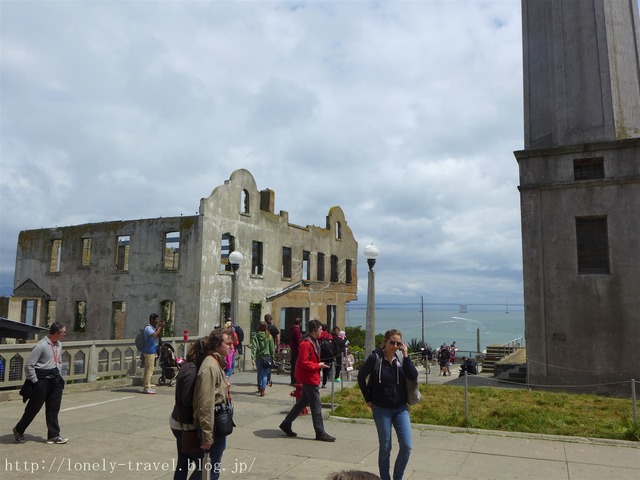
[[382, 381], [212, 389], [275, 335], [262, 347], [44, 379], [308, 368], [295, 335], [341, 343], [150, 350], [181, 419]]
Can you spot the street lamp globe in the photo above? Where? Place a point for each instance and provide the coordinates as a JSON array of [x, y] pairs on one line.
[[235, 258], [371, 252]]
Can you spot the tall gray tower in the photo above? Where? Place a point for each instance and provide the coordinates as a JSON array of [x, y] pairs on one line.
[[580, 191]]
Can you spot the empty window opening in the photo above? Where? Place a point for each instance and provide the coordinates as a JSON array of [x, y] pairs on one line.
[[588, 168], [286, 262], [225, 313], [171, 250], [86, 252], [244, 202], [320, 272], [338, 230], [306, 274], [80, 317], [334, 269], [331, 316], [122, 259], [348, 272], [29, 312], [593, 245], [255, 312], [56, 250], [256, 258], [226, 247], [168, 316]]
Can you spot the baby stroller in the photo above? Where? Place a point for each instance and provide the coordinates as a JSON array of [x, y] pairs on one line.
[[169, 364]]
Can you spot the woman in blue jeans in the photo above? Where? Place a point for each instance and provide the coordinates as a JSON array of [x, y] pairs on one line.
[[262, 345], [382, 381]]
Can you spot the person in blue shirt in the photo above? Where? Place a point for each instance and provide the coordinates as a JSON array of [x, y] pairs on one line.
[[150, 350]]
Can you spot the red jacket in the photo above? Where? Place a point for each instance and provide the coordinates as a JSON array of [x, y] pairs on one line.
[[295, 335], [308, 363]]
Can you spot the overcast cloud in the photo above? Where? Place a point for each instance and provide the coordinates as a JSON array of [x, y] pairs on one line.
[[404, 113]]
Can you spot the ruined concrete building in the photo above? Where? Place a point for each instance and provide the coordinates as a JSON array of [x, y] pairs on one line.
[[104, 279], [580, 191]]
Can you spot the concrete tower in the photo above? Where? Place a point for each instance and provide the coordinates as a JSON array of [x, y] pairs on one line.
[[580, 191]]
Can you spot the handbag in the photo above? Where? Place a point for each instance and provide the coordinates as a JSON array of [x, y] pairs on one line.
[[190, 442], [223, 419], [267, 362], [413, 391]]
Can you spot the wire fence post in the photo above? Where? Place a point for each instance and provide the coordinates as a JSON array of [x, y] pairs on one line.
[[342, 371], [466, 398], [634, 402], [333, 392]]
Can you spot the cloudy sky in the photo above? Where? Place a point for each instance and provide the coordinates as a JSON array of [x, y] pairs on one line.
[[404, 113]]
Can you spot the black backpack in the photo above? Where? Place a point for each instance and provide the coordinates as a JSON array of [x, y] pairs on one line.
[[328, 349], [140, 340], [239, 333]]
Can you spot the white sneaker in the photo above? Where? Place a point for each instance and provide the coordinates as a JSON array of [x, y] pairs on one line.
[[59, 440], [149, 391]]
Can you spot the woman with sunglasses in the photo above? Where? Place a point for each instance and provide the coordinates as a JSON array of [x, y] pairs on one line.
[[382, 381]]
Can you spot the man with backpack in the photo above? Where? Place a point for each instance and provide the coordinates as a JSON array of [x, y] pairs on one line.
[[150, 350], [328, 352]]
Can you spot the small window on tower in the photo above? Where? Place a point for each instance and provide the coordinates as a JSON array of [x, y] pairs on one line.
[[588, 168]]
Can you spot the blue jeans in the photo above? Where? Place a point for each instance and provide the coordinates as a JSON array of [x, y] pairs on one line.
[[262, 374], [215, 452], [182, 465], [384, 419]]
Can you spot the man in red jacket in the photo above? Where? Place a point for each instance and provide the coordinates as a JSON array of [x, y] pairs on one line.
[[307, 373]]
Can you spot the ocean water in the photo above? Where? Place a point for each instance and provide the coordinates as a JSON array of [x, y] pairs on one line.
[[444, 324]]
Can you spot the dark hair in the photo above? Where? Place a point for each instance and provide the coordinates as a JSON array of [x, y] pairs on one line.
[[298, 321], [390, 333], [55, 327], [313, 325], [353, 475], [216, 338], [198, 351], [153, 316]]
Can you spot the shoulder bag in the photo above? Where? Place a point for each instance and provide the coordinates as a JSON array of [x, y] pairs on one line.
[[413, 391], [223, 419]]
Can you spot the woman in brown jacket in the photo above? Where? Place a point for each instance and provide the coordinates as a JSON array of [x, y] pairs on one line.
[[212, 389]]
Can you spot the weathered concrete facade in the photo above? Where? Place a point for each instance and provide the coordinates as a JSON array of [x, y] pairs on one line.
[[106, 278], [580, 191]]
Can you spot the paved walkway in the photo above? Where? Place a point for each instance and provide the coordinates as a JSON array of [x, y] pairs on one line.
[[120, 433]]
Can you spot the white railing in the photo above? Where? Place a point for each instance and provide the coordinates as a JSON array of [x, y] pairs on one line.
[[516, 342], [85, 361]]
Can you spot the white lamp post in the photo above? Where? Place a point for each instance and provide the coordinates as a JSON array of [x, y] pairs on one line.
[[371, 252], [235, 258]]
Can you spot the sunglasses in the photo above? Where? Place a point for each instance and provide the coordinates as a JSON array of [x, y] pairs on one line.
[[393, 344]]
